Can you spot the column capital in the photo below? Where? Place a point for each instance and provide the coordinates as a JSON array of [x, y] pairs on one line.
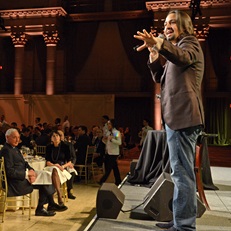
[[201, 28], [19, 39], [51, 38]]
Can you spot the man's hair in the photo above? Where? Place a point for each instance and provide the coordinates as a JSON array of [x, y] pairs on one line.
[[10, 131], [84, 128], [184, 22], [106, 117]]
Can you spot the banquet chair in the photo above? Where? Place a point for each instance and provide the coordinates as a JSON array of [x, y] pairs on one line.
[[40, 150], [96, 170], [65, 193], [11, 202], [198, 173], [84, 170]]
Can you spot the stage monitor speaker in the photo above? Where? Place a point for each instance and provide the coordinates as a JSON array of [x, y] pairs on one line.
[[109, 201], [158, 201], [200, 208]]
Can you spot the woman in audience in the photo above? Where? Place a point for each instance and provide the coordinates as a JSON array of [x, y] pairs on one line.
[[58, 158]]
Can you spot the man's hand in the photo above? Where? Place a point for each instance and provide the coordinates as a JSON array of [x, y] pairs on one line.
[[32, 176]]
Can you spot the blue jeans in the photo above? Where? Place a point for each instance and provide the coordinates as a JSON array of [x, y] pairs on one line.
[[182, 148]]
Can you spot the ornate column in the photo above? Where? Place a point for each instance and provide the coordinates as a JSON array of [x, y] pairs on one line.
[[51, 39], [19, 40]]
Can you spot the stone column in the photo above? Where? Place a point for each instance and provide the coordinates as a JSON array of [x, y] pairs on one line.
[[19, 40], [51, 39]]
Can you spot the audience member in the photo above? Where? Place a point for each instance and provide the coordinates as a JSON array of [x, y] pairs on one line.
[[92, 134], [143, 133], [3, 120], [36, 133], [81, 145], [70, 169], [37, 121], [75, 134], [113, 142], [58, 157], [44, 139], [128, 139], [105, 119], [99, 147], [19, 183], [66, 123], [25, 138]]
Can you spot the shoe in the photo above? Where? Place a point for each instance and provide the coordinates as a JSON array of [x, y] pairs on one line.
[[99, 183], [71, 196], [57, 208], [44, 213], [165, 225], [172, 229]]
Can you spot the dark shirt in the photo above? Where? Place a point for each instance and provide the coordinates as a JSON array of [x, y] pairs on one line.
[[81, 148], [58, 155]]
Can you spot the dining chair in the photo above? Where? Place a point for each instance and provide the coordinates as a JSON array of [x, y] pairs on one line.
[[96, 170], [11, 202], [40, 150], [65, 193], [198, 173], [84, 170]]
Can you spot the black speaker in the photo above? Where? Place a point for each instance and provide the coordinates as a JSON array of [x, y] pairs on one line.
[[200, 208], [158, 201], [109, 201]]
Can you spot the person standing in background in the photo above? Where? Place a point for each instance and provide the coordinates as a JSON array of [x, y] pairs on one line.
[[182, 109], [66, 123], [105, 119], [113, 142], [143, 133]]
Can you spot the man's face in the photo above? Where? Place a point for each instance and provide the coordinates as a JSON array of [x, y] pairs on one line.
[[171, 30], [109, 125], [13, 139]]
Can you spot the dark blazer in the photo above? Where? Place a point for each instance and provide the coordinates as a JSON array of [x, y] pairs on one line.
[[180, 79], [16, 166], [100, 148], [60, 154], [81, 148]]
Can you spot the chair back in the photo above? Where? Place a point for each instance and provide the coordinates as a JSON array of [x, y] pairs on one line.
[[40, 150], [89, 154], [3, 179]]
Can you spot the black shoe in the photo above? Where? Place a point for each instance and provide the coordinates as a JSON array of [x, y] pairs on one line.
[[165, 225], [56, 207], [44, 213], [71, 196], [99, 183], [172, 229]]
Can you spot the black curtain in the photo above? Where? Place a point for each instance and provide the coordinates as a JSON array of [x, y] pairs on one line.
[[79, 43], [138, 60], [219, 41]]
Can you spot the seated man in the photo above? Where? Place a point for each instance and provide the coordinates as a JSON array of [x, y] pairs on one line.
[[16, 171]]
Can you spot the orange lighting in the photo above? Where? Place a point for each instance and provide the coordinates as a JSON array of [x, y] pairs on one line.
[[0, 67]]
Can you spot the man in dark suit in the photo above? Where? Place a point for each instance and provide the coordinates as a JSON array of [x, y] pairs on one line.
[[181, 103], [81, 145], [20, 176]]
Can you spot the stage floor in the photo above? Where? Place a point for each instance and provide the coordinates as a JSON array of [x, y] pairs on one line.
[[219, 218]]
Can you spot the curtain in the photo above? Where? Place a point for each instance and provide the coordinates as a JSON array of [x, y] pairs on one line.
[[219, 41], [138, 60], [79, 43], [219, 120]]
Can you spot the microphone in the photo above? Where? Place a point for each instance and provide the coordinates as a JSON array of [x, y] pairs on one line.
[[142, 47]]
